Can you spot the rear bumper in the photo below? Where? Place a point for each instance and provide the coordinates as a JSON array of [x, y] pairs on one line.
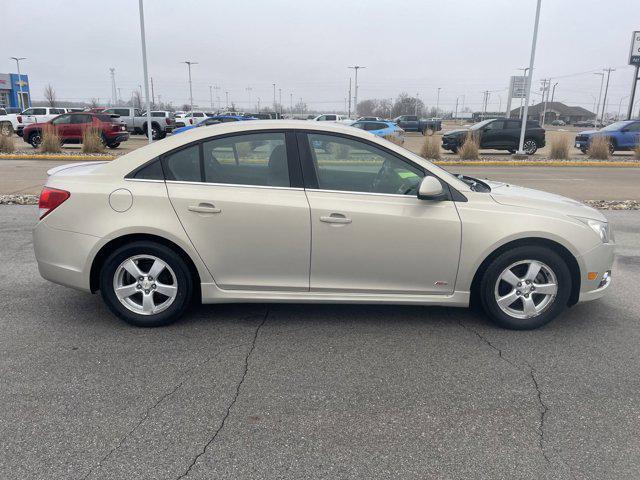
[[599, 260], [62, 255]]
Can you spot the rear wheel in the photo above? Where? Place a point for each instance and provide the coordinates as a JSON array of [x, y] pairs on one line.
[[155, 132], [612, 147], [525, 287], [6, 129], [428, 131], [114, 145], [146, 284]]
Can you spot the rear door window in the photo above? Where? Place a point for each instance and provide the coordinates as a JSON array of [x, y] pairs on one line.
[[183, 165]]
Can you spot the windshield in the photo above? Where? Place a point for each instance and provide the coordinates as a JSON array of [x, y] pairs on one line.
[[614, 126], [481, 124]]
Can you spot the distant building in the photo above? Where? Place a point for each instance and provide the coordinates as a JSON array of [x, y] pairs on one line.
[[556, 111], [10, 90]]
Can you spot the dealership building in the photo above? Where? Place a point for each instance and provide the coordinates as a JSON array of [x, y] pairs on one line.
[[10, 87]]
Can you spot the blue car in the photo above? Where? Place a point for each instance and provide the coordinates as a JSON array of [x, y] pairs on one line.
[[213, 121], [381, 128], [623, 135]]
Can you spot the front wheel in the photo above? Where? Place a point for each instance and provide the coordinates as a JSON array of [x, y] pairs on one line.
[[525, 287], [35, 139], [113, 145], [146, 284]]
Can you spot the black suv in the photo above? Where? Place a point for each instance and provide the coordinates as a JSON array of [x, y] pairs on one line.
[[498, 134]]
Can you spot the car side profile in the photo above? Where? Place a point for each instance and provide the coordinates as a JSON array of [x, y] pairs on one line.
[[623, 135], [70, 127], [214, 120], [314, 212], [498, 134], [381, 128]]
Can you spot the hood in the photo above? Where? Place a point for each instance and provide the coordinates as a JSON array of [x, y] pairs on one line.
[[514, 195], [588, 132], [456, 132]]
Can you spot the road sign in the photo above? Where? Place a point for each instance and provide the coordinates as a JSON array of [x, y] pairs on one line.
[[634, 54], [518, 86]]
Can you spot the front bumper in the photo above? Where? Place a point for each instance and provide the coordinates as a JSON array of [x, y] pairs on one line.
[[600, 261], [121, 137], [450, 143], [19, 130]]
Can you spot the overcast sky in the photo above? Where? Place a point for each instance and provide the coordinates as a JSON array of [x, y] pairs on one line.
[[305, 47]]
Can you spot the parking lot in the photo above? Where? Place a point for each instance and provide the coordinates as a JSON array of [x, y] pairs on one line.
[[310, 391]]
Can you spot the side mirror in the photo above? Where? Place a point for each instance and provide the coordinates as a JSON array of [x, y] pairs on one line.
[[430, 189]]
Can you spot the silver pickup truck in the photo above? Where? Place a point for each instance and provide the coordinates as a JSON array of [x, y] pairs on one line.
[[136, 121]]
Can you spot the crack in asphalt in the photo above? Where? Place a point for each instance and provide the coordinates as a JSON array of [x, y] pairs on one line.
[[233, 400], [543, 408], [189, 372]]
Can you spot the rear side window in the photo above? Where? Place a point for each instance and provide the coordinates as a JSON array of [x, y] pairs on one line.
[[153, 171], [39, 111], [183, 165], [251, 159], [513, 125]]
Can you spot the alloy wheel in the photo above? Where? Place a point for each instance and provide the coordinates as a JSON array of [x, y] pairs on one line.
[[530, 147], [145, 284], [525, 289]]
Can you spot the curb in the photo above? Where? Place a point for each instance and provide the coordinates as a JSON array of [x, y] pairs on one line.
[[24, 156], [534, 163]]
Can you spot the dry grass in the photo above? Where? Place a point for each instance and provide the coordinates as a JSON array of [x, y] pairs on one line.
[[92, 141], [599, 148], [430, 148], [636, 152], [470, 148], [559, 148], [50, 140], [393, 139], [6, 144]]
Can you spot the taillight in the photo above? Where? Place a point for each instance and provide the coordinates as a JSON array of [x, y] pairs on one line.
[[19, 117], [50, 199], [169, 121], [191, 121]]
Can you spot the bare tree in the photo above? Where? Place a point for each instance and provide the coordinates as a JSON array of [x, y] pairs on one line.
[[94, 103], [300, 107], [50, 96]]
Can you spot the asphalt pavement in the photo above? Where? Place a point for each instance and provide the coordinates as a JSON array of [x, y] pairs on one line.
[[313, 392]]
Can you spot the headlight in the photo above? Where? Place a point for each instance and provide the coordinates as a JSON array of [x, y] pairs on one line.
[[601, 228]]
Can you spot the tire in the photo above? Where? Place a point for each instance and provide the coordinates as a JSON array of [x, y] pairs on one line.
[[612, 147], [162, 135], [6, 129], [546, 306], [113, 145], [35, 139], [155, 132], [428, 132], [530, 146], [454, 150], [174, 280]]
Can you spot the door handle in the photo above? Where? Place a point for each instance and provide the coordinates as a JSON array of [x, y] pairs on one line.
[[204, 208], [335, 218]]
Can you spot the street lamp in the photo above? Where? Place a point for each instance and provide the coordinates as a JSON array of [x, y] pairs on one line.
[[189, 63], [145, 71], [438, 101], [275, 109], [21, 99], [355, 96]]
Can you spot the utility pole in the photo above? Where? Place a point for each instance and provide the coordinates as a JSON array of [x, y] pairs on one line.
[[546, 83], [291, 103], [226, 107], [417, 98], [280, 100], [606, 89], [438, 102], [258, 104], [189, 63], [455, 115], [355, 96], [211, 96], [21, 99], [145, 71], [553, 92], [153, 95], [119, 95], [301, 107], [485, 100], [114, 97], [532, 59], [599, 96]]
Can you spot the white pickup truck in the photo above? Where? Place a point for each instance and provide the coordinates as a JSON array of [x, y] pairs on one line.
[[190, 118], [8, 122], [136, 121], [37, 115], [331, 117]]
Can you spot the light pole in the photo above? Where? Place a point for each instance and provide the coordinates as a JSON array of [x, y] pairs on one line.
[[226, 101], [531, 62], [189, 63], [599, 95], [606, 89], [258, 104], [455, 115], [113, 87], [417, 99], [620, 106], [217, 87], [21, 99], [291, 103], [146, 72], [355, 95], [275, 108], [211, 96], [249, 89], [280, 100], [438, 101]]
